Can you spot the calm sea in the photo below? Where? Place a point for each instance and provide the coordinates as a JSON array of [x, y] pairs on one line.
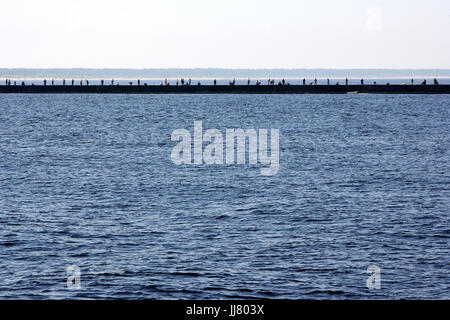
[[87, 180]]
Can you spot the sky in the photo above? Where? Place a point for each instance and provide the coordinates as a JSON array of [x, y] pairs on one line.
[[225, 34]]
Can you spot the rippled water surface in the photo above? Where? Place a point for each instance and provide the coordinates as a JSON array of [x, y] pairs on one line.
[[87, 180]]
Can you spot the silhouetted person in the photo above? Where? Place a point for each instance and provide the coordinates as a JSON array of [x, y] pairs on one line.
[[112, 82], [23, 83], [346, 81], [283, 82], [304, 81], [53, 82], [362, 82], [412, 81], [315, 81], [424, 82], [73, 82], [81, 82], [248, 81], [87, 82], [102, 82], [190, 80], [177, 82], [45, 82], [64, 82], [328, 82], [215, 82], [182, 81], [436, 83]]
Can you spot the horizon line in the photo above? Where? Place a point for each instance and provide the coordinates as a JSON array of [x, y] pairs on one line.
[[209, 68]]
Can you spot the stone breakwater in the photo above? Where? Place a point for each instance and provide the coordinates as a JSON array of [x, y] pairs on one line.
[[227, 89]]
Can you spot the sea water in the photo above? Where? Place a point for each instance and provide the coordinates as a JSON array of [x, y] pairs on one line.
[[88, 181]]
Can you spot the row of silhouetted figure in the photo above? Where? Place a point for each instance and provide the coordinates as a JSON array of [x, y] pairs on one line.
[[188, 82]]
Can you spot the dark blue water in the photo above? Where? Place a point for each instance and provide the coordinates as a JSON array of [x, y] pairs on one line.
[[87, 180]]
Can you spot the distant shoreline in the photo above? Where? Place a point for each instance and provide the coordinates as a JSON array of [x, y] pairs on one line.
[[210, 73], [158, 79]]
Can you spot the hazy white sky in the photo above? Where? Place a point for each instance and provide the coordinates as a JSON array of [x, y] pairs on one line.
[[228, 34]]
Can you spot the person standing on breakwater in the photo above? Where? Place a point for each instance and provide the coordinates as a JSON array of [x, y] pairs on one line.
[[45, 82], [112, 82], [182, 81], [424, 82], [215, 82], [315, 81], [102, 82], [304, 81], [73, 82], [436, 83], [328, 82], [81, 82], [248, 81], [53, 82], [190, 81], [346, 81], [412, 81], [139, 82], [362, 82], [64, 82]]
